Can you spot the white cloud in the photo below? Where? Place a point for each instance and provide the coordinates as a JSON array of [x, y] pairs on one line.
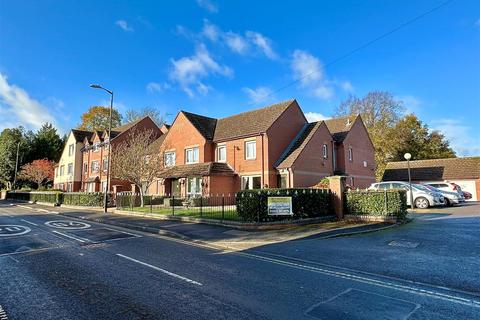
[[347, 86], [188, 71], [315, 116], [157, 87], [207, 5], [464, 139], [308, 70], [412, 104], [263, 43], [122, 24], [236, 42], [260, 94], [18, 108], [210, 31]]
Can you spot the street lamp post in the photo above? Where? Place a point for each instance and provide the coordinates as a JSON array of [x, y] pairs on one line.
[[407, 157], [105, 200]]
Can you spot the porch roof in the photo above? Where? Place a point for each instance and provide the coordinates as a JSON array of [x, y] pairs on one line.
[[198, 169]]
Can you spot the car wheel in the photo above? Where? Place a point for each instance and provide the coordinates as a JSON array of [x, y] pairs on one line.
[[422, 203], [447, 203]]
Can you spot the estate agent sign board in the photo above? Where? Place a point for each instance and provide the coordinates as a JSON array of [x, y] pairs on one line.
[[280, 206]]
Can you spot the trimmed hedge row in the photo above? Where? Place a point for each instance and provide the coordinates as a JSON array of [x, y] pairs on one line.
[[380, 203], [306, 203], [71, 198], [50, 197]]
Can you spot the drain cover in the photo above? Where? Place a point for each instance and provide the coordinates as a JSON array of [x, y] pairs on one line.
[[404, 244], [354, 304]]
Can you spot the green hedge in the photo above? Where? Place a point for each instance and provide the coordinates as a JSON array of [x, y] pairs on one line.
[[379, 203], [94, 199], [306, 203], [49, 197], [70, 198]]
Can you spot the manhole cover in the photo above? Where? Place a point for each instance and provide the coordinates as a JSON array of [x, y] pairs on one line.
[[404, 244], [357, 304], [13, 230], [67, 224]]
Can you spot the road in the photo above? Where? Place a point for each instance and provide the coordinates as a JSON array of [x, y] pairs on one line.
[[54, 267]]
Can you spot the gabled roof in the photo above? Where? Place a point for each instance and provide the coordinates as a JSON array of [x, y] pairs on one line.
[[339, 127], [434, 169], [250, 122], [198, 169], [298, 144], [204, 125], [80, 135]]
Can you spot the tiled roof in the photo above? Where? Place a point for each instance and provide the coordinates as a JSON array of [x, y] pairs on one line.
[[198, 169], [80, 135], [435, 169], [204, 125], [296, 147], [249, 123], [339, 127], [127, 126]]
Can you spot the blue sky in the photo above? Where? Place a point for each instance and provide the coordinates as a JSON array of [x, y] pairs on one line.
[[218, 58]]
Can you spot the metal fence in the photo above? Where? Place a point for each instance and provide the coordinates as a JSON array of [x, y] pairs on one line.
[[217, 207]]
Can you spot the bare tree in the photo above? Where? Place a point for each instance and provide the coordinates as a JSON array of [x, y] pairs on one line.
[[138, 159], [155, 114]]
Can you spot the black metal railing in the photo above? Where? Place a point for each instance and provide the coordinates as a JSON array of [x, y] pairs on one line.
[[218, 207]]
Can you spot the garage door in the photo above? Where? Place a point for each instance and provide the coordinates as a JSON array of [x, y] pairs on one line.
[[467, 185]]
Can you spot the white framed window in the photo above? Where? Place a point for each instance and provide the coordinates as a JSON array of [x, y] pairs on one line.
[[325, 151], [169, 158], [350, 154], [222, 153], [191, 155], [62, 170], [91, 187], [70, 150], [194, 187], [251, 182], [250, 150], [70, 187], [70, 168], [104, 186], [95, 166], [96, 146]]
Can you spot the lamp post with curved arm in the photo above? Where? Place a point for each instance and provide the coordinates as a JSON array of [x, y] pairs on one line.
[[105, 200]]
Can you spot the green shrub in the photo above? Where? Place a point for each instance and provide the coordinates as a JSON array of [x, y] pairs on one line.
[[86, 199], [49, 197], [306, 203], [379, 203]]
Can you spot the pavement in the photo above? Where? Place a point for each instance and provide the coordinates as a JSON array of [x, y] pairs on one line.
[[60, 267]]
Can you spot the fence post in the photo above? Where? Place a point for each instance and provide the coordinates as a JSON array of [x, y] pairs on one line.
[[151, 204], [131, 202], [223, 207], [201, 205], [173, 205], [385, 199]]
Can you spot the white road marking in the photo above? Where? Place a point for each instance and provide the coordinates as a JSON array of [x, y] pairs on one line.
[[161, 270], [33, 224], [42, 210], [14, 230], [82, 240], [371, 281], [67, 224]]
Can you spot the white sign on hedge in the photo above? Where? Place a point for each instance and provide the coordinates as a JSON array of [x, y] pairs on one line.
[[279, 206]]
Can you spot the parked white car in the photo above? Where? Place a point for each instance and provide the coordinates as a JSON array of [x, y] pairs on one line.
[[422, 198], [448, 187], [451, 198]]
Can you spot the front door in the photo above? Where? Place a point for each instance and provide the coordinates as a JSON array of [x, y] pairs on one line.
[[176, 192]]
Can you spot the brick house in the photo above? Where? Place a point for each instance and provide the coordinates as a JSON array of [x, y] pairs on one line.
[[95, 155], [463, 171], [265, 148], [68, 171]]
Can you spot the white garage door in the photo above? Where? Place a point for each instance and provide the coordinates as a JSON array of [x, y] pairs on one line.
[[467, 185]]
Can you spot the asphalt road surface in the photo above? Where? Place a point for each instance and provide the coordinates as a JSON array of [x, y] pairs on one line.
[[54, 267]]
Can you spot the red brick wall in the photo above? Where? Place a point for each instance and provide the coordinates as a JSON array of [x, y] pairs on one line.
[[218, 185], [363, 150], [183, 134], [279, 136], [310, 166]]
